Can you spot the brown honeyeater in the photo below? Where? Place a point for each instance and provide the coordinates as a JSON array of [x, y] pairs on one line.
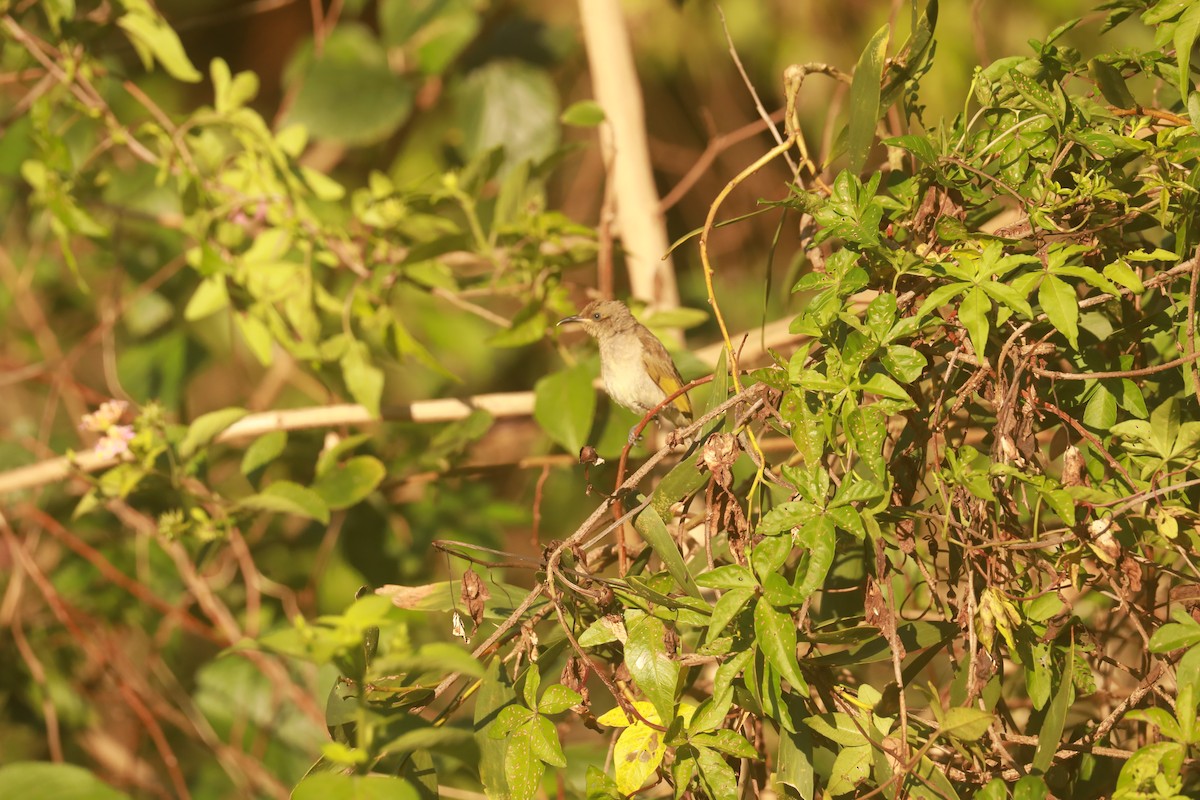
[[636, 368]]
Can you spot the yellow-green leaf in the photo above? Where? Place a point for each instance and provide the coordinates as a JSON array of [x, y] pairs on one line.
[[636, 756], [206, 427], [775, 636], [1059, 301], [864, 98], [155, 40]]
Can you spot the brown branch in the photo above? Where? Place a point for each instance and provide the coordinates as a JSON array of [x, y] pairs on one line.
[[1120, 373], [1153, 113], [500, 404], [106, 568], [714, 148]]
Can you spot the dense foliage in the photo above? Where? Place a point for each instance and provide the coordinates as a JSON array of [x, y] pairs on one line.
[[941, 544]]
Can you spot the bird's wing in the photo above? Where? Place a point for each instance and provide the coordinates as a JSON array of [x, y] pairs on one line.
[[663, 372]]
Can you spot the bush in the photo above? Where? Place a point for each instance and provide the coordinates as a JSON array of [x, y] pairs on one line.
[[944, 546]]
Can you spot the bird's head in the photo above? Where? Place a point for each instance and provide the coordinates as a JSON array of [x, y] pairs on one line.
[[603, 318]]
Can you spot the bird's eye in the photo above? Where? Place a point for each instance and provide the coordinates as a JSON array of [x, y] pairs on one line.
[[596, 315]]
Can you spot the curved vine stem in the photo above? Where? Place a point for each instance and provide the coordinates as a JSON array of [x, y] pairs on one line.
[[709, 272]]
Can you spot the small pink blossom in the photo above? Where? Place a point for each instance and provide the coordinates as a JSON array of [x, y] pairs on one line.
[[115, 442], [114, 438], [104, 417]]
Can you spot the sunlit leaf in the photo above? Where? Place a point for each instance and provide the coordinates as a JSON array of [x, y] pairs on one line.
[[775, 635], [646, 657], [864, 98]]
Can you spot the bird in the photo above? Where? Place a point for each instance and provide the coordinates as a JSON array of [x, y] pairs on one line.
[[636, 368]]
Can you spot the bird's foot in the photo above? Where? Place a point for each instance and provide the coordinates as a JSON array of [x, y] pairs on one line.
[[633, 436]]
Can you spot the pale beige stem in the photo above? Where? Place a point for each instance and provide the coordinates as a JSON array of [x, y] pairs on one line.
[[639, 221]]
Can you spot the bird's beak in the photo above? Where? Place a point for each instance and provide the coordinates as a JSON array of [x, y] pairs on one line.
[[565, 320]]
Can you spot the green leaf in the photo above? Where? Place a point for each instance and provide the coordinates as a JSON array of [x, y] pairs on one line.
[[584, 114], [775, 636], [206, 427], [335, 786], [333, 451], [974, 315], [600, 786], [726, 741], [512, 105], [1187, 678], [1159, 717], [655, 672], [966, 724], [533, 680], [1050, 733], [231, 93], [495, 694], [349, 94], [884, 386], [557, 699], [1174, 636], [1041, 98], [1009, 296], [286, 497], [322, 186], [527, 327], [795, 763], [522, 770], [684, 770], [363, 379], [995, 789], [864, 99], [729, 576], [210, 297], [1100, 413], [565, 405], [905, 363], [155, 40], [786, 516], [728, 606], [408, 346], [347, 484], [838, 727], [716, 775], [1030, 787], [544, 743], [919, 146], [263, 451], [851, 767], [769, 554], [1164, 427], [256, 335], [36, 780], [427, 737], [1061, 305], [602, 631], [650, 525], [1111, 83], [820, 541], [683, 479], [1186, 31], [941, 296], [711, 713], [508, 720]]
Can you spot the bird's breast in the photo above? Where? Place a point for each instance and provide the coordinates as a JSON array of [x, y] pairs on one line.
[[623, 370]]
